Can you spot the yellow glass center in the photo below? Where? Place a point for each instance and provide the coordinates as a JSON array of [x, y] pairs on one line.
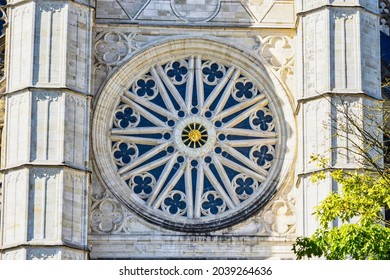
[[194, 135]]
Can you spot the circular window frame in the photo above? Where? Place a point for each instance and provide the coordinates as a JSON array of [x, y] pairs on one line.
[[161, 53]]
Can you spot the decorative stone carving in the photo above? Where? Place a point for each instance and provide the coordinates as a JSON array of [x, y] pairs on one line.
[[194, 10], [50, 96], [208, 125], [279, 217], [76, 101], [13, 255], [71, 255], [278, 52], [20, 12], [107, 215], [384, 10], [3, 15], [42, 254], [44, 173], [14, 177], [198, 141], [16, 100], [53, 8], [256, 8], [112, 48]]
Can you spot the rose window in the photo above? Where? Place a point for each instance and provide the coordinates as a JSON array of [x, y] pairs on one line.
[[194, 141]]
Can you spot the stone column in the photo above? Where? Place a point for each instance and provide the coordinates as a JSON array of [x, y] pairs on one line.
[[339, 63], [46, 160]]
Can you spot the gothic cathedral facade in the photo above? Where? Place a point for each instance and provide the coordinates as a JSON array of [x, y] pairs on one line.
[[179, 129]]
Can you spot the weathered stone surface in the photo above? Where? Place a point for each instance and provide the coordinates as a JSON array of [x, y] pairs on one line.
[[69, 64]]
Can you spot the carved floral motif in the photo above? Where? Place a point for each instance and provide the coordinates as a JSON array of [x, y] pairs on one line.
[[277, 51], [279, 216], [384, 10], [108, 215], [112, 48]]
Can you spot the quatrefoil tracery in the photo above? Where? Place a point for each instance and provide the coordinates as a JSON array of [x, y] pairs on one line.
[[194, 138]]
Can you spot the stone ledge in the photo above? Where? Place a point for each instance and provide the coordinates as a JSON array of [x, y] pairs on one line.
[[191, 247], [336, 6]]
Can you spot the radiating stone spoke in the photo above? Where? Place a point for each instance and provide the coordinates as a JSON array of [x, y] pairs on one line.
[[244, 114], [199, 190], [137, 140], [199, 82], [251, 142], [226, 93], [189, 190], [146, 103], [143, 158], [212, 117], [248, 132], [217, 90], [190, 84], [147, 167], [217, 186], [238, 107], [236, 154], [139, 130], [162, 90], [239, 168], [226, 180], [171, 87], [163, 177], [143, 112], [170, 185]]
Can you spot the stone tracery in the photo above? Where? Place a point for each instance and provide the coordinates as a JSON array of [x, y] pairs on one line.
[[194, 141]]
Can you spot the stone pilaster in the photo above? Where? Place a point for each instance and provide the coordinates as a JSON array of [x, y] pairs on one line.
[[46, 163], [339, 63]]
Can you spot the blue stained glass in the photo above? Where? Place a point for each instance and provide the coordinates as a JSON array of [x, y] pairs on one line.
[[175, 203], [212, 72], [146, 88], [263, 120], [124, 153], [244, 186], [263, 156], [142, 185], [244, 90], [177, 72], [126, 117], [212, 203], [148, 106]]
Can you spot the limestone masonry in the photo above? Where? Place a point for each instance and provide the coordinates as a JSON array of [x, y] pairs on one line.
[[155, 129]]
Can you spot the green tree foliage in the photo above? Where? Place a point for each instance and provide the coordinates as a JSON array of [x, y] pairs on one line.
[[358, 206], [361, 199]]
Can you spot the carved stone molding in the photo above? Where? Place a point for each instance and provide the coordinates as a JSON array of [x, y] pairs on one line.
[[172, 73], [13, 255], [17, 100], [107, 215], [71, 255], [42, 254], [50, 96], [384, 10], [14, 177], [3, 14], [52, 8], [279, 216], [113, 48], [195, 11], [278, 53], [45, 173], [76, 101]]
